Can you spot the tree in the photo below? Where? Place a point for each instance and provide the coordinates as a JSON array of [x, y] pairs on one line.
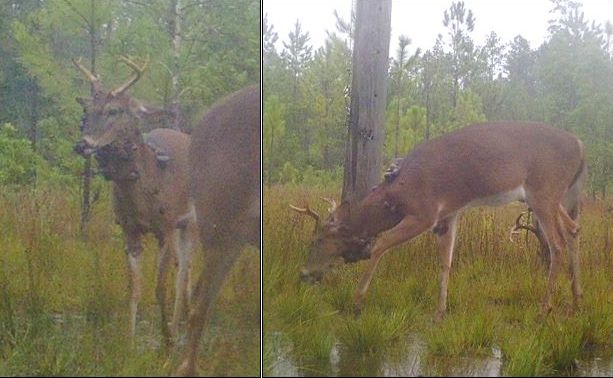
[[397, 74], [274, 128], [363, 159], [460, 23], [297, 55]]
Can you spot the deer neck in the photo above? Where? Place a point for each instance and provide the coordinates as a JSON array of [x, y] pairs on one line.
[[376, 213]]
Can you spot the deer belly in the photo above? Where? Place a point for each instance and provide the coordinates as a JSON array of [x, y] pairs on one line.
[[502, 198]]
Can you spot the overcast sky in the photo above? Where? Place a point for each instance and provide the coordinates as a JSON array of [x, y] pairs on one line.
[[422, 20]]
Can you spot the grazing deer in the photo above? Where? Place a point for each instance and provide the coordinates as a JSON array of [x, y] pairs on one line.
[[225, 173], [150, 174], [484, 164]]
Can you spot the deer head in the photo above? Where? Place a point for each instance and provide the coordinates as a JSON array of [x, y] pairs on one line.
[[110, 116], [333, 242]]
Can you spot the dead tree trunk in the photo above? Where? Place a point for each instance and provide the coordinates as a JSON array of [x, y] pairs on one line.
[[363, 154]]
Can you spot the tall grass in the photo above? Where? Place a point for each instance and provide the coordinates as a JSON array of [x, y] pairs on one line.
[[495, 291], [64, 297]]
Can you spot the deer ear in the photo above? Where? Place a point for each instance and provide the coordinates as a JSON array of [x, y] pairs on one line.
[[85, 102], [151, 113], [141, 110]]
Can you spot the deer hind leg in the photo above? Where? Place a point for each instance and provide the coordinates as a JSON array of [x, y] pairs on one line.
[[184, 250], [549, 219], [543, 246], [573, 249], [445, 231], [134, 251], [215, 270], [166, 248], [404, 231]]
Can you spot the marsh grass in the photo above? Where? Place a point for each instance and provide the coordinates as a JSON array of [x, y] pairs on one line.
[[495, 291], [64, 297]]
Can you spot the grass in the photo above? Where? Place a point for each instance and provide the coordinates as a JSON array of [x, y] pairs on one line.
[[495, 291], [64, 297]]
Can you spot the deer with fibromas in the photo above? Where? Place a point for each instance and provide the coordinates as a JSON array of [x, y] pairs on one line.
[[486, 164], [149, 175]]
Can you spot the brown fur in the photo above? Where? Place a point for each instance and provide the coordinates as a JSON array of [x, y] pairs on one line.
[[148, 197], [225, 170], [444, 175]]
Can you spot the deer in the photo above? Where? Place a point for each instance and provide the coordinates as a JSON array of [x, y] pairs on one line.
[[225, 187], [149, 175], [486, 164]]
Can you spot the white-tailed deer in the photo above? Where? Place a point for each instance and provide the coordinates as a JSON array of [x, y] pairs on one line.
[[483, 164], [150, 176], [225, 179]]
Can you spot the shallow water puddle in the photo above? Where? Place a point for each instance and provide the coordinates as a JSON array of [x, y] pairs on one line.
[[411, 360]]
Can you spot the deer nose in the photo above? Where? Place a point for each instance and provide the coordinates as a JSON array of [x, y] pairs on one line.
[[310, 277]]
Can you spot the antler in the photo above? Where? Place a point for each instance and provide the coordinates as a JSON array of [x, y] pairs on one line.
[[518, 226], [307, 211], [138, 71], [331, 202], [93, 79]]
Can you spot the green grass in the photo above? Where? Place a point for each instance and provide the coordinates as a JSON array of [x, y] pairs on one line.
[[64, 297], [495, 292]]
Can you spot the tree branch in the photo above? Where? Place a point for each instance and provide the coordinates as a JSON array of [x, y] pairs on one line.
[[88, 24]]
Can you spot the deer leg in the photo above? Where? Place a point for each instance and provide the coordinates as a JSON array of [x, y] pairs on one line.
[[543, 245], [404, 231], [182, 280], [166, 249], [548, 218], [445, 231], [568, 223], [573, 252], [211, 279], [134, 251]]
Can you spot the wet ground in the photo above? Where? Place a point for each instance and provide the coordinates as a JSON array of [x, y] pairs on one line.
[[412, 360]]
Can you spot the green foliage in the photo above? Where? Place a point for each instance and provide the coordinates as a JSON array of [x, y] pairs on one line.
[[468, 110], [274, 129], [217, 53], [18, 162], [567, 81]]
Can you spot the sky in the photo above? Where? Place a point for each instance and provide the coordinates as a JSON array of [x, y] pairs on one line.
[[422, 20]]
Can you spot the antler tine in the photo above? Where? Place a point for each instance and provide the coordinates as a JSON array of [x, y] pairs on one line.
[[518, 226], [94, 79], [307, 211], [331, 202], [138, 72]]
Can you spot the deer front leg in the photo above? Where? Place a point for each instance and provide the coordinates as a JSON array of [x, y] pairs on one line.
[[184, 250], [134, 251], [404, 231], [166, 253], [445, 231], [211, 279]]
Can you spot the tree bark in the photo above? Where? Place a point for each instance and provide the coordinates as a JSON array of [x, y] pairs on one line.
[[363, 154]]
